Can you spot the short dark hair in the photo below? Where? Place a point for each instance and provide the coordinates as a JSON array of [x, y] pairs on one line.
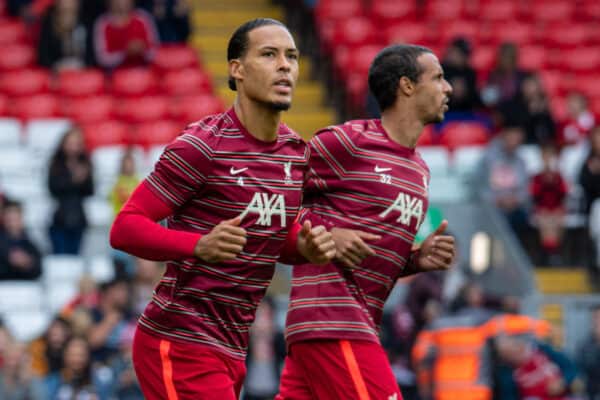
[[391, 64], [238, 43]]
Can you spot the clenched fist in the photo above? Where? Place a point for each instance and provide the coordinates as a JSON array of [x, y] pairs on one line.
[[224, 242], [315, 244]]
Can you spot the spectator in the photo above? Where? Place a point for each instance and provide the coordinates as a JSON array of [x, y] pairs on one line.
[[110, 319], [19, 257], [47, 350], [589, 177], [505, 79], [63, 37], [16, 379], [124, 36], [171, 17], [538, 371], [147, 275], [126, 182], [548, 191], [530, 109], [462, 77], [87, 298], [75, 380], [580, 120], [589, 358], [503, 177], [69, 181], [424, 296], [124, 384]]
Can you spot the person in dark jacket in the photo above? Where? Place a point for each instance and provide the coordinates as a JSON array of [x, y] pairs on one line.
[[19, 257], [171, 18], [70, 181], [589, 358]]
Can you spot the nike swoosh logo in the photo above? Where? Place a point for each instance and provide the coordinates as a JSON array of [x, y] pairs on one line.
[[234, 171], [377, 169]]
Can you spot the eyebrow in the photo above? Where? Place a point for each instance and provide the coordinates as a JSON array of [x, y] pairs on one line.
[[289, 49]]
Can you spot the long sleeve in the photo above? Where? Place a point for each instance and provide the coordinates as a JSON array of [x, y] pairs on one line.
[[136, 229]]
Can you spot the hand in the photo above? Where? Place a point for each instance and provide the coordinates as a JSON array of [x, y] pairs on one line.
[[437, 251], [136, 47], [316, 244], [20, 259], [224, 242], [350, 245]]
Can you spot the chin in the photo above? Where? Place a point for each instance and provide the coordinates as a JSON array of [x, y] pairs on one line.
[[280, 105]]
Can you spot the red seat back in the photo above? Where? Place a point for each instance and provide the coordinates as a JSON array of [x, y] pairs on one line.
[[464, 133], [76, 83], [106, 133], [25, 82], [92, 109], [175, 57], [16, 56], [36, 106], [134, 82]]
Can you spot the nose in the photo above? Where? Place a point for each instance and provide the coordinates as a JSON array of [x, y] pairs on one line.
[[284, 63], [447, 88]]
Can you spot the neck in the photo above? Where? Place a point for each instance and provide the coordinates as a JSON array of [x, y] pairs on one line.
[[261, 121], [402, 127]]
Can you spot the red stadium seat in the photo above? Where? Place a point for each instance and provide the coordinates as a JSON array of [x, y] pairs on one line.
[[566, 36], [483, 58], [12, 31], [552, 81], [558, 106], [551, 11], [4, 109], [186, 81], [16, 56], [157, 133], [25, 82], [461, 28], [505, 10], [465, 133], [134, 82], [444, 9], [90, 109], [328, 10], [386, 12], [407, 32], [349, 60], [175, 57], [588, 84], [589, 10], [106, 133], [500, 32], [356, 31], [192, 108], [427, 138], [595, 107], [532, 58], [581, 59], [36, 106], [144, 109], [84, 82]]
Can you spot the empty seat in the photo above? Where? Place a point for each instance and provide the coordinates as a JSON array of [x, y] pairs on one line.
[[144, 109], [36, 107], [99, 211], [175, 57], [101, 268], [406, 32], [483, 58], [42, 136], [326, 10], [16, 56], [134, 82], [505, 10], [465, 133], [12, 31], [532, 58], [105, 133], [10, 132], [15, 163], [27, 325], [62, 269], [38, 210], [90, 109], [447, 189], [186, 81], [428, 136], [436, 158], [160, 132], [193, 108], [21, 296], [392, 11], [82, 82], [571, 160], [355, 31], [59, 294], [107, 161], [25, 82], [465, 160], [581, 59]]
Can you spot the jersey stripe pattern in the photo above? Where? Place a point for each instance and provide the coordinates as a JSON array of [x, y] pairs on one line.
[[214, 171], [359, 179]]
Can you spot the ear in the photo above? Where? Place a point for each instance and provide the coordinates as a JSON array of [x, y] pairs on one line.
[[406, 86], [236, 69]]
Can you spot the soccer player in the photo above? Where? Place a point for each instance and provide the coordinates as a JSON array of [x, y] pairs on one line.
[[230, 187], [366, 175]]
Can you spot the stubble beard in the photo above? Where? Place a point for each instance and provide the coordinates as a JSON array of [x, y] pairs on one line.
[[278, 105]]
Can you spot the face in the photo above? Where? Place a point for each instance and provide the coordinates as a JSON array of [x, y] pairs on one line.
[[513, 137], [128, 165], [68, 5], [595, 140], [432, 90], [13, 219], [268, 72], [57, 334], [73, 144], [76, 355], [121, 5], [575, 105]]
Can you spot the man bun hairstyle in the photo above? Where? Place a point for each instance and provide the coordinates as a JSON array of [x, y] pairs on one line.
[[391, 64], [238, 43]]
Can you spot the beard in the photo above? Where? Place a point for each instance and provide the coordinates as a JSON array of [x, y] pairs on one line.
[[278, 105]]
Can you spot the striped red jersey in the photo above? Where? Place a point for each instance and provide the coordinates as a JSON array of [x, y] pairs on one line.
[[360, 179], [215, 171]]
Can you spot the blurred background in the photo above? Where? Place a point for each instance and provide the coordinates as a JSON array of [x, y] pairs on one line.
[[92, 90]]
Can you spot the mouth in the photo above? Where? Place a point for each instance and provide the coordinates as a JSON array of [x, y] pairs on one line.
[[445, 105], [283, 86]]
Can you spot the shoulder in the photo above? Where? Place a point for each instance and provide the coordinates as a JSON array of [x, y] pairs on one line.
[[207, 131], [142, 16], [287, 134]]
